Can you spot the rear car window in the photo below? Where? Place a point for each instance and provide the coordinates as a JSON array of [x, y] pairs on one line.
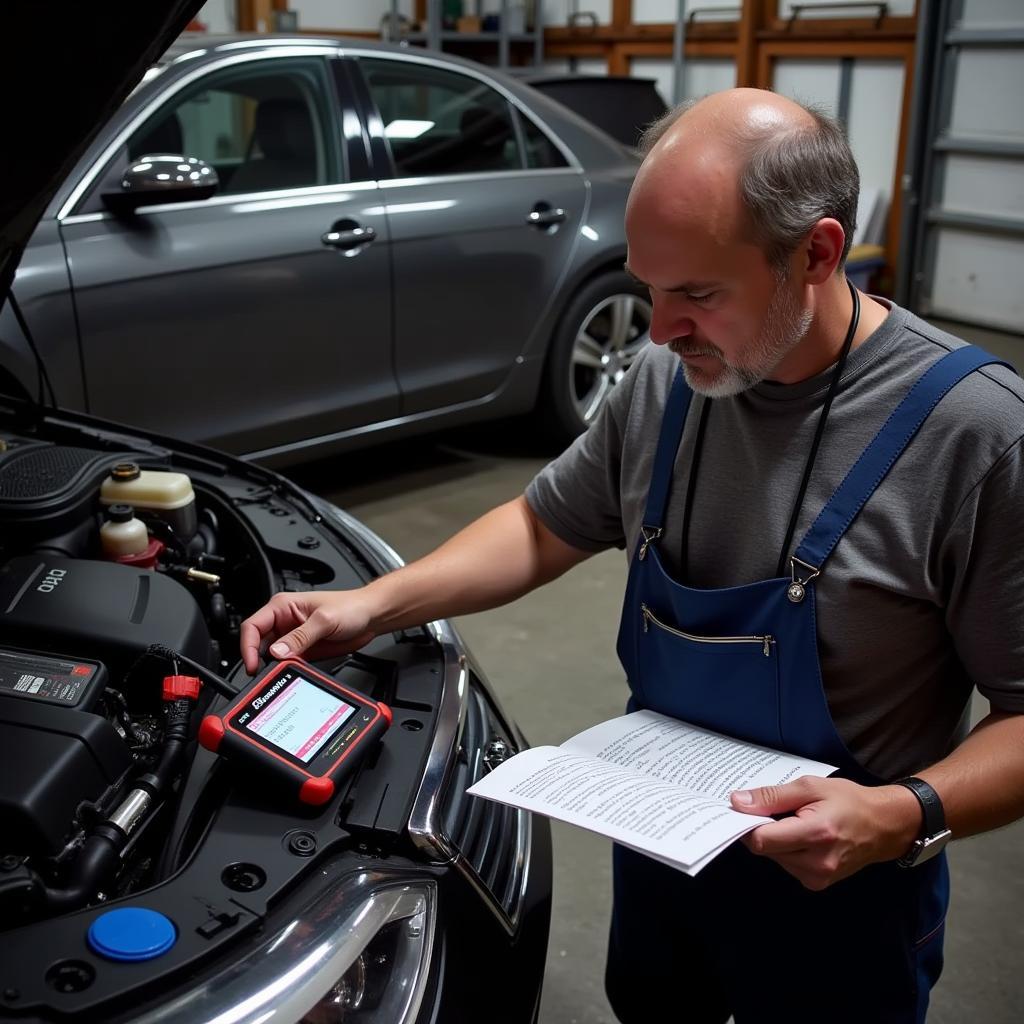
[[441, 122]]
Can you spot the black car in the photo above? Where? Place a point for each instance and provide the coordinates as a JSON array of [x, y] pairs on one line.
[[144, 878]]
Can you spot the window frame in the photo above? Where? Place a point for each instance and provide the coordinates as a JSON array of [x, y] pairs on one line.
[[84, 200], [383, 159]]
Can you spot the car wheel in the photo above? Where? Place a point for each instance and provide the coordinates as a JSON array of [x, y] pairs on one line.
[[602, 331]]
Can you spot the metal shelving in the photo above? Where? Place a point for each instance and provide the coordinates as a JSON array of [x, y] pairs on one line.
[[436, 36]]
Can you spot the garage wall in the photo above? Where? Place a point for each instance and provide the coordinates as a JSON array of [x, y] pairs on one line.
[[662, 11], [970, 260], [556, 12], [362, 16], [583, 66], [896, 8], [701, 75], [869, 101], [219, 15]]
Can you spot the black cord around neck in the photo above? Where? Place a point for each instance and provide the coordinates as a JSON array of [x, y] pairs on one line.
[[833, 387], [705, 411]]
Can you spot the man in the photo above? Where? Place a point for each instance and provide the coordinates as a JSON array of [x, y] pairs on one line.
[[822, 523]]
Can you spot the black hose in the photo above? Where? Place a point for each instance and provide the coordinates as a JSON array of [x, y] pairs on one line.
[[97, 863]]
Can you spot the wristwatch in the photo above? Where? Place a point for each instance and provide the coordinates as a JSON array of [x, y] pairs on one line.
[[934, 834]]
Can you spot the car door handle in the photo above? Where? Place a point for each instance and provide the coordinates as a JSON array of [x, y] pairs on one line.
[[545, 218], [348, 237]]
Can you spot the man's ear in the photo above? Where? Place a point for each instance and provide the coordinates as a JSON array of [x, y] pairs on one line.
[[823, 250]]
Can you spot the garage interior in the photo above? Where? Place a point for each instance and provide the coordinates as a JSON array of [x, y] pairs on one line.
[[939, 144], [930, 93]]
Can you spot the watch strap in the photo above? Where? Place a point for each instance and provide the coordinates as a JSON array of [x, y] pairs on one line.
[[934, 820]]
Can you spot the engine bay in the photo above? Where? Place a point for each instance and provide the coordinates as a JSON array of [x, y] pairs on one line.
[[105, 792]]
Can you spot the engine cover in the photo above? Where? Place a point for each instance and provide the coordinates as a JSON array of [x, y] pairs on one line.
[[100, 610], [54, 758], [48, 491]]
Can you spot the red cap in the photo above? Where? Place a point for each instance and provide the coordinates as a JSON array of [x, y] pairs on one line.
[[145, 559], [316, 791], [211, 732], [176, 687]]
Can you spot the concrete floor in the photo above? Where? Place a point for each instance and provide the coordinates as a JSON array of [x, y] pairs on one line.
[[551, 658]]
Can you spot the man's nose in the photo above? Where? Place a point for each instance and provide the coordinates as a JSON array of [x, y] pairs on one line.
[[667, 323]]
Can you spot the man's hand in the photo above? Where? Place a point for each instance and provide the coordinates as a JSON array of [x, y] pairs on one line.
[[318, 624], [836, 828]]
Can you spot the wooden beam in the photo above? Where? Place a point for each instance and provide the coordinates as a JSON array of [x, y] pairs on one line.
[[618, 61], [692, 48], [577, 50], [840, 28], [255, 16], [644, 49], [641, 33], [622, 13], [892, 241], [799, 49], [752, 15]]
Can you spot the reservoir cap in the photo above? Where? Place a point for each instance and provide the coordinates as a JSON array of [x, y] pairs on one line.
[[132, 934]]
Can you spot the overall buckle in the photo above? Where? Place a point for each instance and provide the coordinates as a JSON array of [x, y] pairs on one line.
[[651, 534], [797, 590]]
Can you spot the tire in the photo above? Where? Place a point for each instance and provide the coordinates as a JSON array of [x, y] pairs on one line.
[[602, 330]]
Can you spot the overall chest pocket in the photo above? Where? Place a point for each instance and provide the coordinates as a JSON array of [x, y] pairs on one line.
[[726, 683]]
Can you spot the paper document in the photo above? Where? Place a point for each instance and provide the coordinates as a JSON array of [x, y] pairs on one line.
[[649, 782]]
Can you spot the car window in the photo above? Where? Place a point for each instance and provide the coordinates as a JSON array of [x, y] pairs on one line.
[[540, 150], [261, 127], [441, 122]]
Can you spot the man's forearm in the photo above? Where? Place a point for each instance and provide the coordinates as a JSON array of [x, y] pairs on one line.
[[981, 783], [497, 558]]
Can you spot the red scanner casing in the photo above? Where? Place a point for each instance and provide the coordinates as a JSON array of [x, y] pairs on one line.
[[317, 783]]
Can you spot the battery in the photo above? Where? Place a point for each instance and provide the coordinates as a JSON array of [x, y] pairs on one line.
[[65, 682]]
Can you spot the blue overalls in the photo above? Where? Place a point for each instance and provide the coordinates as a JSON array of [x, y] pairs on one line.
[[744, 937]]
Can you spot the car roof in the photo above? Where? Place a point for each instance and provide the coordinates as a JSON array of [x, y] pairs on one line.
[[593, 147]]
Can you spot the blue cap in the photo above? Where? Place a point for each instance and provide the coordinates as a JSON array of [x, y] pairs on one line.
[[132, 934]]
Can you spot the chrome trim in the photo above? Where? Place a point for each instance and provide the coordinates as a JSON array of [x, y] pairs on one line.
[[368, 429], [290, 972], [258, 50], [425, 826], [426, 829], [254, 202], [415, 58], [480, 176], [85, 183]]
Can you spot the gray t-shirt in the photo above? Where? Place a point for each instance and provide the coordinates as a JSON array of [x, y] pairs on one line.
[[923, 597]]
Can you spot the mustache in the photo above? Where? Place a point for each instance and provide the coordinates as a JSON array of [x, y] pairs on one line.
[[686, 347]]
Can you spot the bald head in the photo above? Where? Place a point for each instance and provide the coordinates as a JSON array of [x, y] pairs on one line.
[[750, 162]]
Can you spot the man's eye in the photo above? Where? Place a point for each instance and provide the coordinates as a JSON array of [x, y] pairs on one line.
[[701, 299]]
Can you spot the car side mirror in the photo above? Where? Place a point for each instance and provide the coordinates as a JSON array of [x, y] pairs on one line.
[[162, 178]]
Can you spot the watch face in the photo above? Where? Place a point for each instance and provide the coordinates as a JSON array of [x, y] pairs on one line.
[[925, 849]]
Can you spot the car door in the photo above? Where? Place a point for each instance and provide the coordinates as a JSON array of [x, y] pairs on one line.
[[484, 211], [257, 319]]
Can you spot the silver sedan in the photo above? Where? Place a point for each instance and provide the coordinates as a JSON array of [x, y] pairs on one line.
[[290, 246]]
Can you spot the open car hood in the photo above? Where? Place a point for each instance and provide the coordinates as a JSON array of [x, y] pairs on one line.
[[63, 82]]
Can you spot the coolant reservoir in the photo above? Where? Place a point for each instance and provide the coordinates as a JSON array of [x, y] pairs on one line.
[[166, 496], [122, 533]]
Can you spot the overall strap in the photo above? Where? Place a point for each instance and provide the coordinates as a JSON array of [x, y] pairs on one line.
[[879, 456], [672, 423]]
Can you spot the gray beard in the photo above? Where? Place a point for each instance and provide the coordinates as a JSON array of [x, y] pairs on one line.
[[785, 326]]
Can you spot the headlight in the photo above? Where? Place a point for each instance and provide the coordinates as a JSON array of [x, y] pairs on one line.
[[358, 953], [381, 986]]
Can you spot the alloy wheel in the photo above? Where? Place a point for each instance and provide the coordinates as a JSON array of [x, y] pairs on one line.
[[610, 337]]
